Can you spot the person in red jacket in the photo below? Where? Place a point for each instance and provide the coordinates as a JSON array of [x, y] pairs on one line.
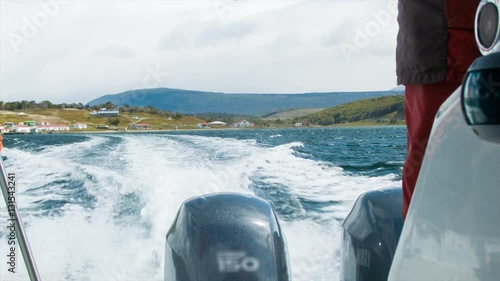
[[435, 46]]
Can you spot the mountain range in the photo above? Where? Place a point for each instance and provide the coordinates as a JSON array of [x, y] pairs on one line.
[[196, 102]]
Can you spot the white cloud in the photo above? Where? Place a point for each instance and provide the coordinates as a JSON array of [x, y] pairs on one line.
[[203, 34], [114, 50], [88, 49]]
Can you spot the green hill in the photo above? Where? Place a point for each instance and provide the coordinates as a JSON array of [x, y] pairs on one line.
[[381, 110], [294, 113]]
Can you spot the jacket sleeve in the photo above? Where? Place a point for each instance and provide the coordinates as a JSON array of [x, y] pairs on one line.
[[421, 42], [435, 40]]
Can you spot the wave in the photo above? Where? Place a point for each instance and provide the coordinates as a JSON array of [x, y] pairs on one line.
[[95, 205]]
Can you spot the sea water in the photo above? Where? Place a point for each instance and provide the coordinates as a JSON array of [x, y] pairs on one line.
[[98, 206]]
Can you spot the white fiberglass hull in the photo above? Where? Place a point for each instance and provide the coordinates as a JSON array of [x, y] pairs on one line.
[[452, 231]]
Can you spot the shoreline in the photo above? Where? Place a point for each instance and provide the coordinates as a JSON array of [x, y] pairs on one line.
[[201, 130]]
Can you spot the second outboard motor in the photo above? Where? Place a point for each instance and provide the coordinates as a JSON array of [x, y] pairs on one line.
[[370, 235], [225, 237]]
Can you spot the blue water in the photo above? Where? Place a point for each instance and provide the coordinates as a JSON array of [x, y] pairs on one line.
[[97, 206]]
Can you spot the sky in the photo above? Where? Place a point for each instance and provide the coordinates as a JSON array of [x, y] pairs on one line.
[[76, 51]]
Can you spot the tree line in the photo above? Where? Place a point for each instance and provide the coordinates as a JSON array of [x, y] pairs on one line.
[[33, 105]]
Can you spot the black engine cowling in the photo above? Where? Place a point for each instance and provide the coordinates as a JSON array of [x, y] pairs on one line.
[[225, 237], [370, 236]]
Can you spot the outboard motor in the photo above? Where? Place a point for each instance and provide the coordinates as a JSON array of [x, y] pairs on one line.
[[370, 235], [225, 237]]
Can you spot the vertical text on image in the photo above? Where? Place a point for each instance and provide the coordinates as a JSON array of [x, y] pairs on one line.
[[11, 222]]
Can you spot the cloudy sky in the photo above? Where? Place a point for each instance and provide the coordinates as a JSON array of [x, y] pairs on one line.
[[75, 51]]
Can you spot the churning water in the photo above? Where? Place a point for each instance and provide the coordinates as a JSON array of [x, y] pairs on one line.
[[98, 206]]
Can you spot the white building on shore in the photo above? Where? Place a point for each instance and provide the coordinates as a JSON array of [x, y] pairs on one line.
[[22, 129], [217, 123], [79, 126], [104, 112], [202, 125], [243, 123], [48, 128]]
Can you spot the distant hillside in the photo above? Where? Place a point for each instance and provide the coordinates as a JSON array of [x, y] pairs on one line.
[[294, 113], [386, 110], [195, 102]]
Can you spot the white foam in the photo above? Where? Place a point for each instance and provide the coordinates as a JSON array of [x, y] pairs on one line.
[[91, 244]]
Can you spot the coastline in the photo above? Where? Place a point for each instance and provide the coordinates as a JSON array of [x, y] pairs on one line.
[[205, 129]]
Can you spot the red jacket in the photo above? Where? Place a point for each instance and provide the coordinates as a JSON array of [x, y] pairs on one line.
[[435, 41]]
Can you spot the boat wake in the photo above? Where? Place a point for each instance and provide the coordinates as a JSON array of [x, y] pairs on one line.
[[98, 208]]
